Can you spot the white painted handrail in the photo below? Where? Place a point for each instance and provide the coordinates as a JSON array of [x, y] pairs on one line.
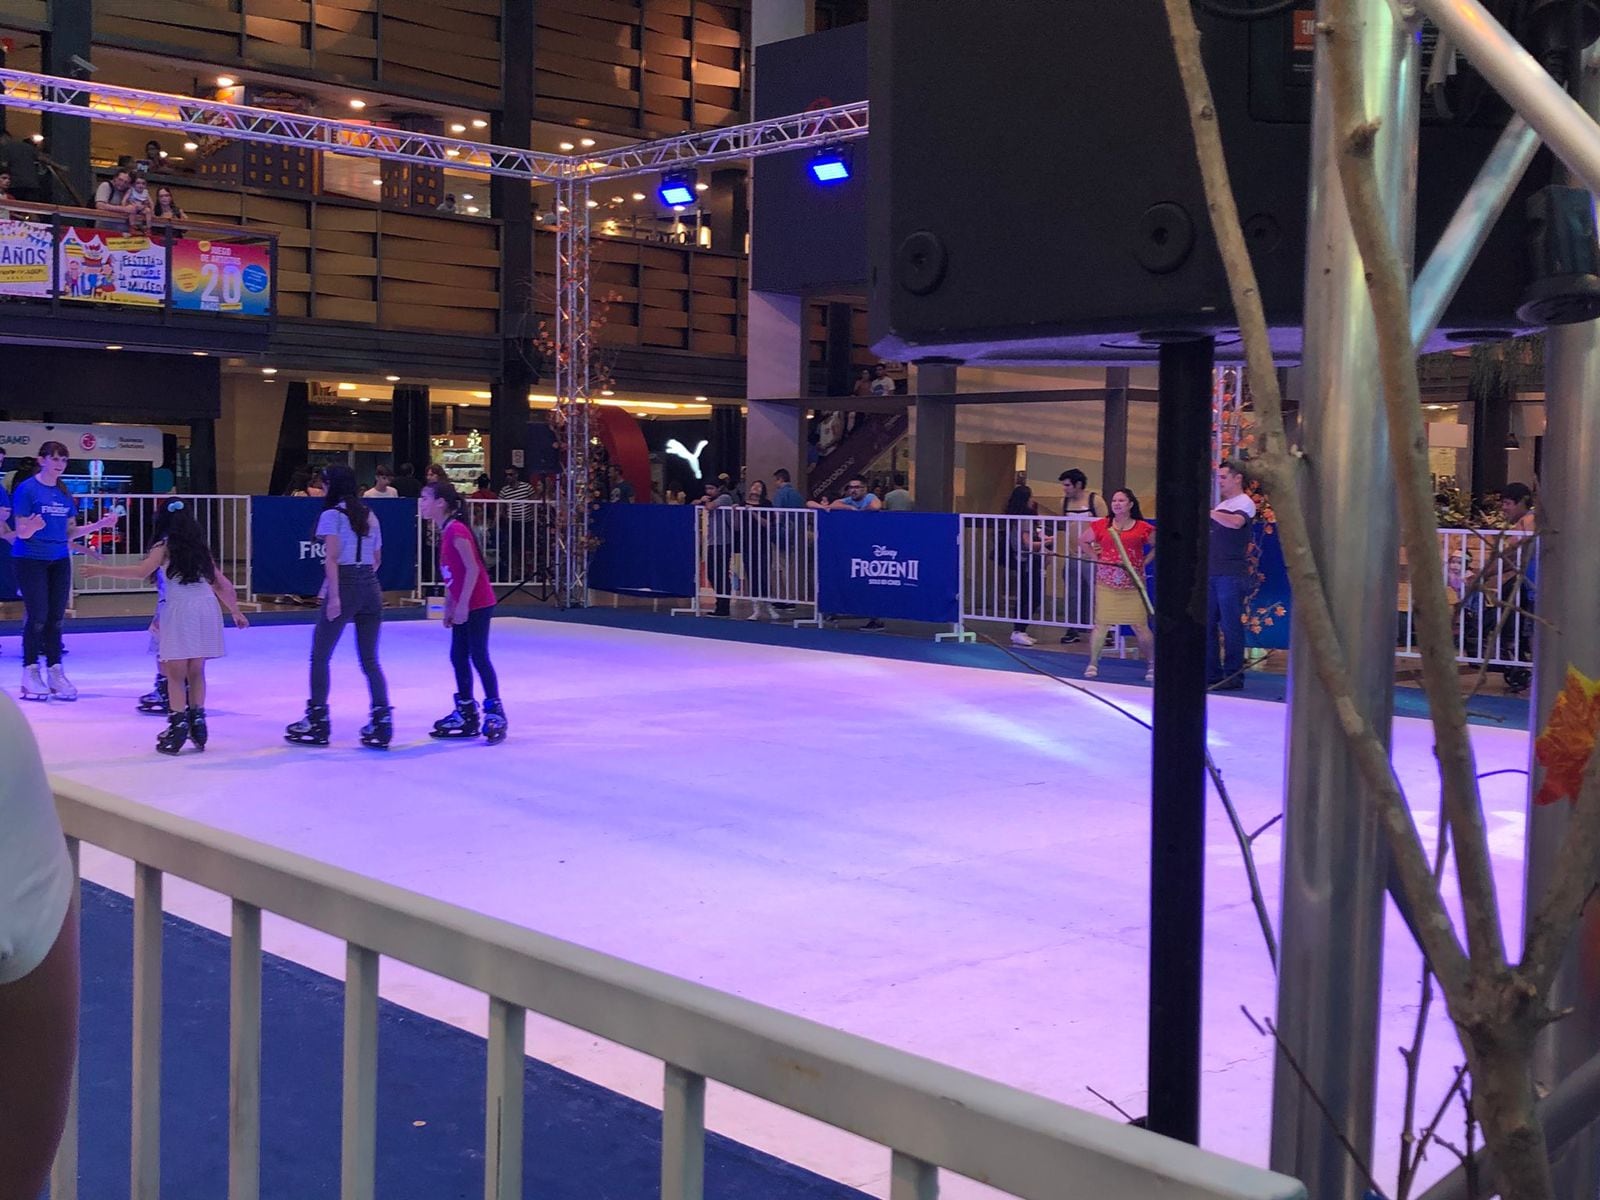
[[929, 1115]]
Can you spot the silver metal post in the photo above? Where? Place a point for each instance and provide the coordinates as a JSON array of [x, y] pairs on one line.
[[1567, 583], [1333, 866], [1566, 128]]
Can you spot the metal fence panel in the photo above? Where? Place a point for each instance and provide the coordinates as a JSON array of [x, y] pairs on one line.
[[225, 520]]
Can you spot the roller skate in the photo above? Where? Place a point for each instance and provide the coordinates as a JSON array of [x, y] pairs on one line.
[[494, 722], [463, 723], [379, 731], [311, 730], [172, 738]]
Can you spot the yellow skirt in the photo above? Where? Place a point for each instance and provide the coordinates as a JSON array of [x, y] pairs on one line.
[[1118, 606]]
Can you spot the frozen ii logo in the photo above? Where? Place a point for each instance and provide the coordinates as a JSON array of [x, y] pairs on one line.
[[886, 568]]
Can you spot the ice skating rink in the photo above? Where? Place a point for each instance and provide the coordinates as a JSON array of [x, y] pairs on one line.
[[948, 860]]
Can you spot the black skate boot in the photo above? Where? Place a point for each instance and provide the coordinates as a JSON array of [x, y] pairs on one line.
[[494, 721], [198, 733], [176, 733], [463, 723], [379, 731], [156, 702], [311, 730]]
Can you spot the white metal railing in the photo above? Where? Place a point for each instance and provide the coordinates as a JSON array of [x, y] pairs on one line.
[[225, 520], [764, 556], [927, 1116], [517, 538], [1027, 570], [1492, 571]]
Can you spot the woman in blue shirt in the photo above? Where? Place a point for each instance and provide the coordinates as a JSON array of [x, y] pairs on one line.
[[41, 555]]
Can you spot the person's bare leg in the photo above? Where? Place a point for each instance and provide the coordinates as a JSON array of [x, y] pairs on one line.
[[1097, 642], [1146, 638], [38, 1046], [196, 675]]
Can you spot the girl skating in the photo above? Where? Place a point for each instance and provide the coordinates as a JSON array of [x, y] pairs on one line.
[[41, 556], [468, 606], [191, 619], [352, 544]]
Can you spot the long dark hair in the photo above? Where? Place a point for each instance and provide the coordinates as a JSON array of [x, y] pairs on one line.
[[1021, 499], [1133, 504], [51, 450], [188, 556], [344, 492], [443, 489]]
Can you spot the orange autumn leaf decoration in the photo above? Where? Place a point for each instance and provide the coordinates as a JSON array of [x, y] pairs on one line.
[[1563, 748]]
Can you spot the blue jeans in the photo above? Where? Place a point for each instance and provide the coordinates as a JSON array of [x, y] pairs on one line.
[[1225, 609]]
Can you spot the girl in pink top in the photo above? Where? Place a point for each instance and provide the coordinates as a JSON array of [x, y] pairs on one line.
[[469, 603]]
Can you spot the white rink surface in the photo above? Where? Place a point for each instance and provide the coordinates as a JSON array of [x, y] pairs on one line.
[[948, 860]]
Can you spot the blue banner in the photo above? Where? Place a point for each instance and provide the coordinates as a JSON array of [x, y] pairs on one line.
[[1267, 606], [645, 549], [8, 576], [287, 557], [901, 565]]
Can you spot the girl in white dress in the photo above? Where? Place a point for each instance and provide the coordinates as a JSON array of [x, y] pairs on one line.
[[191, 619]]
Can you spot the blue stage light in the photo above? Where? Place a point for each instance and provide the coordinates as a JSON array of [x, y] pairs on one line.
[[831, 164], [677, 187]]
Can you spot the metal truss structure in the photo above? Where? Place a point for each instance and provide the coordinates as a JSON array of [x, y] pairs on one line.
[[572, 175]]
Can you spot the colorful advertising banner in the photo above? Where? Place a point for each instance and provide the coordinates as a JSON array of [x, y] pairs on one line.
[[221, 277], [25, 259], [108, 267]]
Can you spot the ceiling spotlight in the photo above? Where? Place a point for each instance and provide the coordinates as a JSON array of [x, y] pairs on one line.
[[358, 104], [831, 164], [365, 399], [113, 347], [607, 392], [269, 370], [482, 395], [701, 187], [452, 153], [226, 81], [585, 142], [466, 195], [616, 200], [677, 187], [347, 387], [1512, 443], [479, 123], [702, 400], [37, 138], [392, 378], [458, 128], [377, 183], [591, 204], [567, 146], [638, 195], [199, 353], [463, 404], [191, 146], [472, 210]]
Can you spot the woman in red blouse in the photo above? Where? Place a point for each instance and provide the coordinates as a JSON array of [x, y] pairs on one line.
[[468, 605], [1119, 596]]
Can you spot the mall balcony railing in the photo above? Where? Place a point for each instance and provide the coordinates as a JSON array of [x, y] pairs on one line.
[[85, 260]]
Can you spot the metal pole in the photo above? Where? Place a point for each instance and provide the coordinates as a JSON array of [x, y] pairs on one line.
[[1178, 736], [1568, 580], [1566, 128], [1333, 868]]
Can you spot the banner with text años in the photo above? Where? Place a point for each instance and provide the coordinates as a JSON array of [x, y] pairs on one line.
[[103, 266], [221, 277], [25, 259]]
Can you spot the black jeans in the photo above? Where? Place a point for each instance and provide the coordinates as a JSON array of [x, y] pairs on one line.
[[469, 648], [46, 585], [361, 601], [1030, 590], [719, 563]]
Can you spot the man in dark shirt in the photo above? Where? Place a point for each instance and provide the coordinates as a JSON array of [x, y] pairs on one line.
[[1229, 578], [407, 483]]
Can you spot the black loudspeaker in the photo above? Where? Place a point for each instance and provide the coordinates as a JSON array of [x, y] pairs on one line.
[[539, 450], [1034, 195]]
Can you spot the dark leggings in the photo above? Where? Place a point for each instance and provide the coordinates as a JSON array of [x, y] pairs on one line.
[[361, 601], [46, 585], [469, 648]]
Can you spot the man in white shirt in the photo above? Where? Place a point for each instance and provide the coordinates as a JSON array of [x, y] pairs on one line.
[[1229, 578], [382, 486]]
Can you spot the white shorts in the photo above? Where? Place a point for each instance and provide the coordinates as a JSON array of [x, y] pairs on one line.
[[36, 878]]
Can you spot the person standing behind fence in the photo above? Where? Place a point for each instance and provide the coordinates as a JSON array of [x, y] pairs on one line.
[[382, 488], [1119, 595], [1228, 579], [1027, 545], [1080, 505], [518, 493], [42, 559], [352, 543], [755, 547], [719, 544], [468, 607]]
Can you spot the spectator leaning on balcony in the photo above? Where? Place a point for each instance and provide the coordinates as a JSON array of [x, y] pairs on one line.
[[856, 498], [112, 196], [19, 157], [5, 193], [166, 206]]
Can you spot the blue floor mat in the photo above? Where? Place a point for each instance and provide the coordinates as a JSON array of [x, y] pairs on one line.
[[581, 1140]]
